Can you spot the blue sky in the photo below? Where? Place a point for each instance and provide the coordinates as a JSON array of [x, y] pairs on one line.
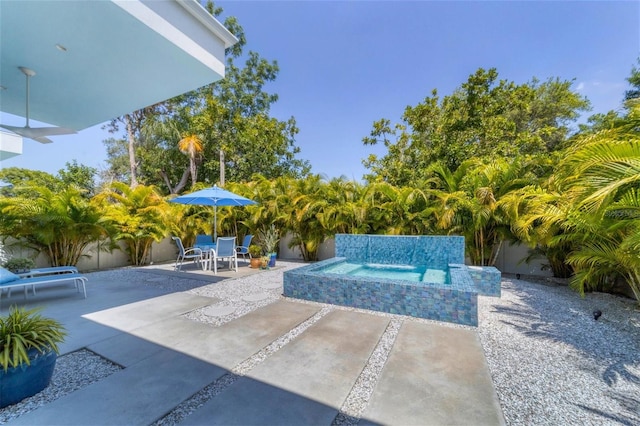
[[344, 65]]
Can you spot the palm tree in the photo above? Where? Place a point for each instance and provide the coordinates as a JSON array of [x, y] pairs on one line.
[[140, 214], [304, 202], [467, 203], [538, 217], [191, 145], [60, 224], [601, 175], [343, 207]]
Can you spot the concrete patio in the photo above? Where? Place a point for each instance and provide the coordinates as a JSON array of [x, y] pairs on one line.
[[434, 373]]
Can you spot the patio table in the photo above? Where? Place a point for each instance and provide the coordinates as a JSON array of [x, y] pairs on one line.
[[207, 253]]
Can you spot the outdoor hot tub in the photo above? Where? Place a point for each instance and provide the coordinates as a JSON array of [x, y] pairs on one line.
[[419, 276]]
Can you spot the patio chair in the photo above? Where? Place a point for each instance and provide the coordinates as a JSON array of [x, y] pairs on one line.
[[244, 248], [191, 253], [225, 249], [203, 240]]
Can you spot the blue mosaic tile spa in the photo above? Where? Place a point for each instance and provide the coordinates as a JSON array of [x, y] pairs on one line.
[[421, 276]]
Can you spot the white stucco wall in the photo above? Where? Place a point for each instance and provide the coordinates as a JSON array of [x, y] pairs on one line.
[[166, 251]]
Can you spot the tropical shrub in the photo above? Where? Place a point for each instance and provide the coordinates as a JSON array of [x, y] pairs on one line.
[[60, 224], [16, 264], [139, 216]]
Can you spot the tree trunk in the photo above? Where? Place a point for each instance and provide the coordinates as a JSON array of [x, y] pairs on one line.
[[193, 169], [180, 186], [132, 151], [496, 252]]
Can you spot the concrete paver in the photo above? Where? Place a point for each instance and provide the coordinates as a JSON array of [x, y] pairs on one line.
[[306, 381], [435, 375], [135, 315], [324, 362], [252, 402], [125, 349], [137, 395], [233, 342]]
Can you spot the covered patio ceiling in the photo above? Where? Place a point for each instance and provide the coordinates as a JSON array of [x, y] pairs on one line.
[[97, 60]]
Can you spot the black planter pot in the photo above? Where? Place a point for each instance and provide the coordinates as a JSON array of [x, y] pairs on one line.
[[23, 381]]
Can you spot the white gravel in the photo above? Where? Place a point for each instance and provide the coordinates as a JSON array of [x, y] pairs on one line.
[[72, 372], [551, 362]]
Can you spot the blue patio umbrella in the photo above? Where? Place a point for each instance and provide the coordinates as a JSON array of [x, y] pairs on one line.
[[213, 197]]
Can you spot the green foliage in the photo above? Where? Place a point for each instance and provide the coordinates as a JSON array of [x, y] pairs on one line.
[[23, 330], [470, 202], [16, 264], [231, 116], [485, 117], [60, 224], [255, 250], [269, 238], [23, 179], [601, 177], [80, 176], [74, 174], [140, 216], [634, 81]]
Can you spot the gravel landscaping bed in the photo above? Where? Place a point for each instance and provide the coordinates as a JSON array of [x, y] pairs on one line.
[[551, 362], [73, 371]]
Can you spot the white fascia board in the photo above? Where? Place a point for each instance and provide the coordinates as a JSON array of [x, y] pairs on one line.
[[202, 15]]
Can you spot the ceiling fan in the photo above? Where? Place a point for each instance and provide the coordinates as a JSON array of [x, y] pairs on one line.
[[36, 133]]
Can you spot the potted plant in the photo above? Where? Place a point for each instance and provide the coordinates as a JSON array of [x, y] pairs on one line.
[[264, 262], [19, 265], [255, 252], [28, 353], [270, 238]]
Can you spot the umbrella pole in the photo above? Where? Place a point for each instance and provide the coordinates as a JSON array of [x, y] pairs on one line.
[[215, 224]]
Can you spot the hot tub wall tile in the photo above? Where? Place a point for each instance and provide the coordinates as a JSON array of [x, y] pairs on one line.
[[486, 279], [433, 250], [352, 247], [438, 251], [391, 250]]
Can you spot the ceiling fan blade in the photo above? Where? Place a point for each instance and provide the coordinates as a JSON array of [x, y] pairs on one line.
[[42, 139], [36, 133], [14, 129], [48, 131]]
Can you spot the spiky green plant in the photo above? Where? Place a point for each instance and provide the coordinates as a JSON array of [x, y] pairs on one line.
[[23, 330]]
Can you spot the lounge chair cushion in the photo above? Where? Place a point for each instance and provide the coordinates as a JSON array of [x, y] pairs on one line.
[[7, 276]]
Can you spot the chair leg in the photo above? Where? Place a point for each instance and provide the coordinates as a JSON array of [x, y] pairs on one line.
[[206, 262]]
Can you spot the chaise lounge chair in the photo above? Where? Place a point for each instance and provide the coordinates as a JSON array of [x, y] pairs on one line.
[[52, 270], [9, 280]]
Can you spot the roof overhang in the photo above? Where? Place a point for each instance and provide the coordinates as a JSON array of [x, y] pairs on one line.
[[98, 60], [10, 145]]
